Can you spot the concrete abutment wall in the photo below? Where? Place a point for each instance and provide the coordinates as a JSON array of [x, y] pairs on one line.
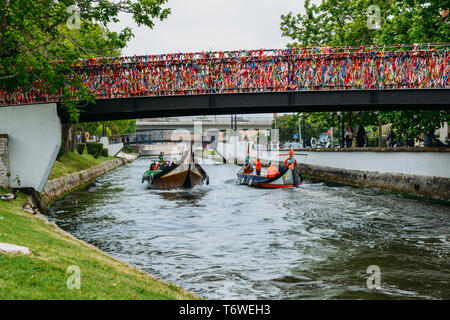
[[34, 138]]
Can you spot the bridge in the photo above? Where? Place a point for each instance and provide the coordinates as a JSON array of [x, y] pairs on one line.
[[248, 81], [256, 81]]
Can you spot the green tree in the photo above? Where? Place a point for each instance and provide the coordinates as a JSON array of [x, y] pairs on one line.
[[344, 23], [35, 34], [116, 127], [287, 125], [39, 40]]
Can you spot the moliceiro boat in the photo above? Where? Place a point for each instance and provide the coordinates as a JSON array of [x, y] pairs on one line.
[[285, 179], [185, 174]]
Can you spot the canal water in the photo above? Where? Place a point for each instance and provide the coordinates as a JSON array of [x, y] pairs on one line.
[[226, 241]]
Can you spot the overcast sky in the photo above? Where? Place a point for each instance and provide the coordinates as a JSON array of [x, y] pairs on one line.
[[202, 25]]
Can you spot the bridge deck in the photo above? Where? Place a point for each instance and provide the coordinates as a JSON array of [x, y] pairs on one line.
[[235, 103]]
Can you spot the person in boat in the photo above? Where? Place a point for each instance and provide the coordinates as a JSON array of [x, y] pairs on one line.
[[290, 162], [258, 165], [248, 168], [161, 157], [153, 166], [164, 165], [272, 171]]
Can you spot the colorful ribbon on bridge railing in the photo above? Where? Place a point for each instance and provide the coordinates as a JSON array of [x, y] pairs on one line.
[[324, 68]]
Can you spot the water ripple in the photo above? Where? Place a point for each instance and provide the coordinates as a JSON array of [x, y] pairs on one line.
[[225, 241]]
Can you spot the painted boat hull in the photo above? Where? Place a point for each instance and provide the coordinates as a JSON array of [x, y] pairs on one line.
[[287, 179]]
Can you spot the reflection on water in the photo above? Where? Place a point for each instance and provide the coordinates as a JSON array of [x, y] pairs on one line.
[[226, 241], [184, 198]]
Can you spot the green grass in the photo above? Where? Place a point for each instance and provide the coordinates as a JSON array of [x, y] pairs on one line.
[[73, 162], [42, 274]]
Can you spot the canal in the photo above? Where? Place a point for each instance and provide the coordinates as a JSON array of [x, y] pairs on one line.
[[225, 241]]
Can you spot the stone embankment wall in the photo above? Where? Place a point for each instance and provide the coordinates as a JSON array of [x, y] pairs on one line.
[[4, 160], [422, 186], [59, 187]]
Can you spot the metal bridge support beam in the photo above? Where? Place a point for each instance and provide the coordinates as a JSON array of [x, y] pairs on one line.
[[34, 134]]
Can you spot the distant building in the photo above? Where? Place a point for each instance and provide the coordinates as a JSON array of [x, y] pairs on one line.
[[163, 128]]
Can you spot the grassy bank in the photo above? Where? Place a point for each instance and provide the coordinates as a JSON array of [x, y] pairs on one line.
[[42, 274], [73, 162]]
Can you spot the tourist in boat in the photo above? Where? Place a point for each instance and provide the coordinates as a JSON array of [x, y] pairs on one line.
[[258, 165], [161, 157], [272, 171], [164, 165]]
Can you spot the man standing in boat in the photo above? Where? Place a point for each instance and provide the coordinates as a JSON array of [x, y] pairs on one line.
[[161, 157], [258, 166]]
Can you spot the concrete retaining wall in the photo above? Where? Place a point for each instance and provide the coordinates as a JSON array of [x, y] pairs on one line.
[[57, 188], [4, 160]]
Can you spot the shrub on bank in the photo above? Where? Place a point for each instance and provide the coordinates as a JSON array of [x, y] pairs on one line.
[[95, 149], [104, 152], [81, 147]]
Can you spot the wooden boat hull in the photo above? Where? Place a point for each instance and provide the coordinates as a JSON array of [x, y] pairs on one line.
[[287, 179], [187, 174]]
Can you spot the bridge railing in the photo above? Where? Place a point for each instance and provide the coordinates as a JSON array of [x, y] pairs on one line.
[[295, 69]]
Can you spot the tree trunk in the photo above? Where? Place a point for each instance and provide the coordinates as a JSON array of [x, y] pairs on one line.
[[65, 136], [380, 133], [349, 119], [73, 136]]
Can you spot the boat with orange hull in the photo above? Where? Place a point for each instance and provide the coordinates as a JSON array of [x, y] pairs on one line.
[[186, 174], [288, 178]]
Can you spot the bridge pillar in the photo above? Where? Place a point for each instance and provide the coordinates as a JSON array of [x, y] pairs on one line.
[[34, 139]]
